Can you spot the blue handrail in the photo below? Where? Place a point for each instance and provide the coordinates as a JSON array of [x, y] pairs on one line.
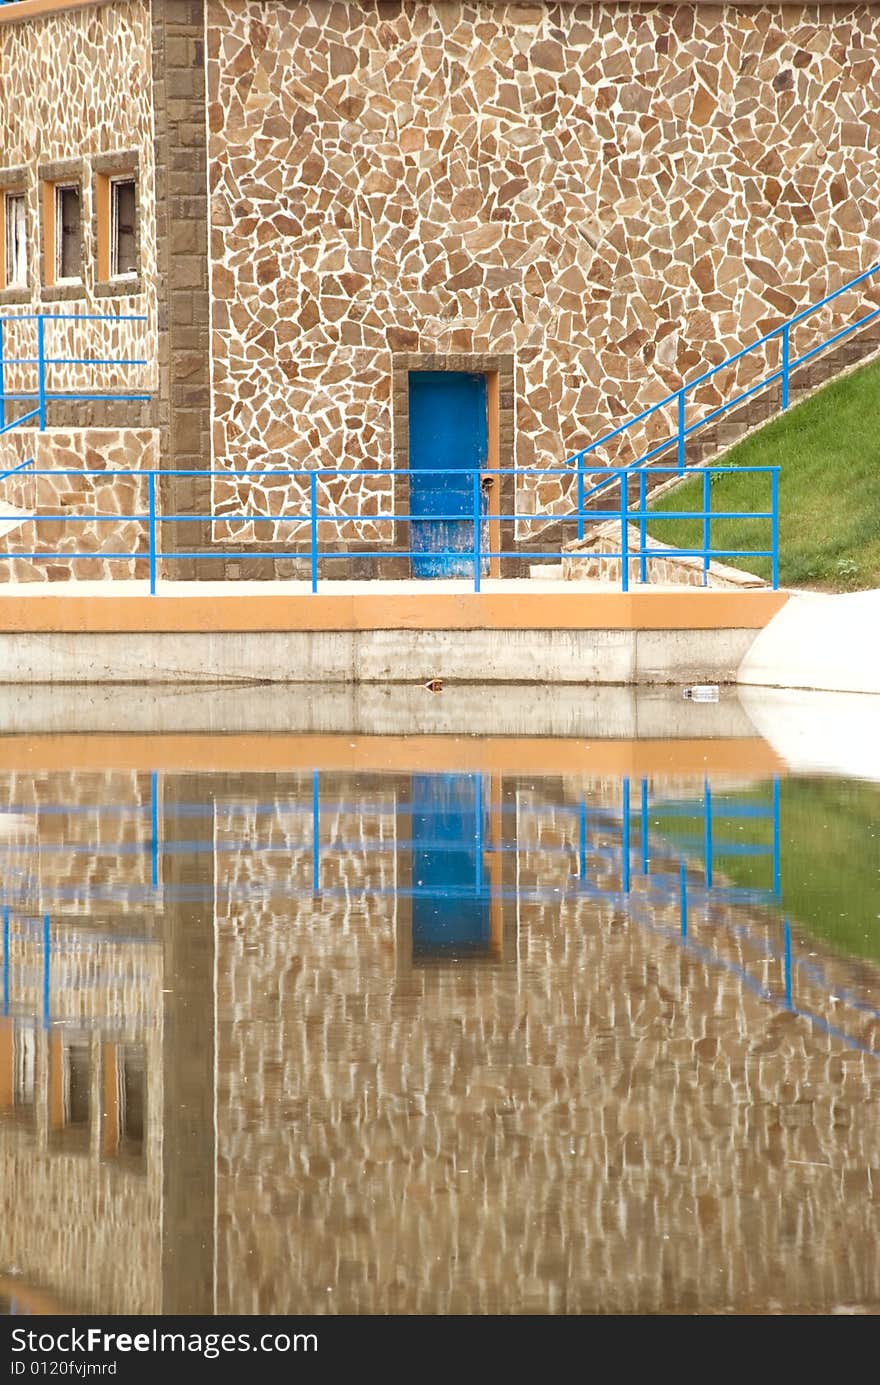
[[42, 395], [678, 397], [311, 515]]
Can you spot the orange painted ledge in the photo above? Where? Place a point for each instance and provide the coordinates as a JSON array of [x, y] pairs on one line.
[[281, 753], [241, 613]]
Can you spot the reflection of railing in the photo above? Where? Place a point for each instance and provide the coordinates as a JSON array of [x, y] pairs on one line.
[[678, 400], [614, 857], [680, 887], [312, 516], [42, 963], [41, 365]]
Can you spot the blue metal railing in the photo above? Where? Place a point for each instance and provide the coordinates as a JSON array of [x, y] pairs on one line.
[[480, 553], [41, 395], [678, 399]]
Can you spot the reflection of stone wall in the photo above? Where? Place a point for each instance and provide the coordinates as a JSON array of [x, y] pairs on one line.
[[82, 1230], [85, 1225], [617, 194], [76, 86], [80, 450], [606, 1125]]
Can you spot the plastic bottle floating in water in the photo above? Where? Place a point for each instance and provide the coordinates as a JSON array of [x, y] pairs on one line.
[[701, 692]]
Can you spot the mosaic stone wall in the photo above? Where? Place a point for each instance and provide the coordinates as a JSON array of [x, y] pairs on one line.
[[51, 497], [583, 561], [77, 86], [617, 194], [535, 1136]]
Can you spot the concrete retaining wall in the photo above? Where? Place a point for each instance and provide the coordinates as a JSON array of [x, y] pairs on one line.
[[377, 656]]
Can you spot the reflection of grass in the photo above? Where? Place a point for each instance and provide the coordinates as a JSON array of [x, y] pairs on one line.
[[829, 491], [829, 856]]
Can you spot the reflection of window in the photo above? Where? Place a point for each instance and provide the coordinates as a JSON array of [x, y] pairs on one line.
[[132, 1084], [77, 1070], [25, 1050], [123, 228], [124, 1100], [15, 240], [68, 232]]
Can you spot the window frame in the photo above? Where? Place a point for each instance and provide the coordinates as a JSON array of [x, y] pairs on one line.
[[109, 171], [65, 173], [59, 278], [15, 183], [10, 196], [117, 274]]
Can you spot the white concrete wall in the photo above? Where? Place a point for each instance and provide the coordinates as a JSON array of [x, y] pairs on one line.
[[378, 656]]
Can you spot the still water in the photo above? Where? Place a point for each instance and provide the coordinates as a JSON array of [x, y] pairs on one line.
[[436, 1026]]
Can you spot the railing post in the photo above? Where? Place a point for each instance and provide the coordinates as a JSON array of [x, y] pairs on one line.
[[777, 870], [151, 483], [789, 999], [580, 494], [681, 430], [683, 898], [476, 480], [707, 831], [41, 368], [707, 524], [2, 380], [47, 970], [313, 512], [643, 527], [316, 832], [626, 839], [624, 531], [774, 525], [154, 830], [6, 960], [785, 359], [645, 849]]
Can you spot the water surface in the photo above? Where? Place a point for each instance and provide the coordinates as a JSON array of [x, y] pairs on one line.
[[437, 1026]]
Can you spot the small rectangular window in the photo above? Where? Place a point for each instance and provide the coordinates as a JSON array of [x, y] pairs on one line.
[[68, 233], [123, 228], [15, 240]]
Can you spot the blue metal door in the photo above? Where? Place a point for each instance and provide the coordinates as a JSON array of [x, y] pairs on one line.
[[450, 906], [448, 442]]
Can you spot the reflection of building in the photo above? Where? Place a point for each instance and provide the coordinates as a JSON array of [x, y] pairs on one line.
[[550, 1097], [81, 1037]]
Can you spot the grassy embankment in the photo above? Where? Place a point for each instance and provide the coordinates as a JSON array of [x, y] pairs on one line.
[[829, 491]]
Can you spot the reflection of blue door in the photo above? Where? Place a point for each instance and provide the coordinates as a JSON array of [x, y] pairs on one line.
[[450, 907], [448, 441]]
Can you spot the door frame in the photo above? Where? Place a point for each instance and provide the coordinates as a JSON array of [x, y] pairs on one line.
[[499, 373]]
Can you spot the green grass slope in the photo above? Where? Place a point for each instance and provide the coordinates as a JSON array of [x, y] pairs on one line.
[[829, 491]]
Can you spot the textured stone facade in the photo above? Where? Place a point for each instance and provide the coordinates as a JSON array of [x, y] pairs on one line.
[[43, 501], [76, 90], [598, 200], [597, 558], [613, 195]]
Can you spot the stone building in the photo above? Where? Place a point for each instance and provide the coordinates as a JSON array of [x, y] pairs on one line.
[[332, 217]]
